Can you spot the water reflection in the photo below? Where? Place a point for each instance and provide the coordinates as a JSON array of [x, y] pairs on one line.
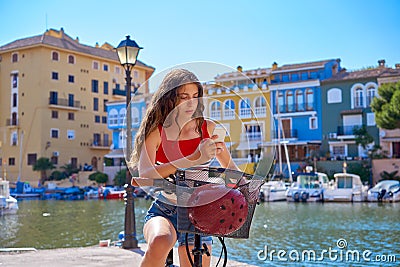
[[280, 226]]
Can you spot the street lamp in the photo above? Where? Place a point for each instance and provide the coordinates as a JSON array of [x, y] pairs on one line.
[[128, 51]]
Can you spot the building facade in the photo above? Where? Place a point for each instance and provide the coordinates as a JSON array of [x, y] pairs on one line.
[[53, 101], [296, 101]]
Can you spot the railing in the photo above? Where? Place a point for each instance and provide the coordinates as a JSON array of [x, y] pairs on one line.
[[346, 130], [216, 114], [251, 136], [245, 113], [100, 143], [288, 133], [64, 102], [12, 122], [119, 92], [229, 114], [295, 108]]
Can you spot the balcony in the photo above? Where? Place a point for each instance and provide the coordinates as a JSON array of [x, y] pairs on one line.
[[64, 103], [100, 144], [346, 130], [12, 123], [285, 134], [118, 92], [300, 107]]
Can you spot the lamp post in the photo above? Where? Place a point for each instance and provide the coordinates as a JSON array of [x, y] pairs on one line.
[[128, 51]]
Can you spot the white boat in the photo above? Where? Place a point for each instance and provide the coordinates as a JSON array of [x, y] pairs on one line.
[[309, 187], [8, 204], [346, 187], [273, 191], [387, 191]]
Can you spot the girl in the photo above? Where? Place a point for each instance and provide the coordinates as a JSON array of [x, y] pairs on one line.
[[173, 135]]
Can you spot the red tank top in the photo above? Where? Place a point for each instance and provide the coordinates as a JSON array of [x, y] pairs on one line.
[[170, 150]]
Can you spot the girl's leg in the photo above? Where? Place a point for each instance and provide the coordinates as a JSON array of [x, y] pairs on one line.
[[160, 236], [183, 257]]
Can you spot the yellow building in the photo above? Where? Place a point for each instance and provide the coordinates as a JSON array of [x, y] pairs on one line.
[[53, 95], [239, 101]]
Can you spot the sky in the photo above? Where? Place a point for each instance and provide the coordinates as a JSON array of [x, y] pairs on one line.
[[252, 34]]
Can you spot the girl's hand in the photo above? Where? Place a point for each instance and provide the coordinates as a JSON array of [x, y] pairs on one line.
[[206, 150]]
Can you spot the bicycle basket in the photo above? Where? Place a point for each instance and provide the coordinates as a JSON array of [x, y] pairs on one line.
[[216, 201]]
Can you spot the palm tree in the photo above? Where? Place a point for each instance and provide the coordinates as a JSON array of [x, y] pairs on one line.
[[42, 165]]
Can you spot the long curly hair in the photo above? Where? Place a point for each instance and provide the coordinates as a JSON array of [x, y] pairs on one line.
[[163, 102]]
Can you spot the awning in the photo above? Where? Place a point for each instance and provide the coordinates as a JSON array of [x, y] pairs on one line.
[[251, 145], [116, 153], [391, 139]]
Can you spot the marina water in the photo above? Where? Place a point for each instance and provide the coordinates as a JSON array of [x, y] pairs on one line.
[[298, 230]]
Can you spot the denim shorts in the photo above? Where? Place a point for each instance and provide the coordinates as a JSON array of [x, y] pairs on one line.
[[159, 208]]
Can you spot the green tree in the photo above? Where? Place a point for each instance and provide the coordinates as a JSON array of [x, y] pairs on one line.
[[120, 178], [362, 137], [386, 106], [69, 169], [42, 165], [99, 177]]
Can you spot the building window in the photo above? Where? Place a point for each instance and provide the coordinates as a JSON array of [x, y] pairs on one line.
[[104, 119], [295, 77], [334, 95], [71, 116], [14, 80], [14, 139], [358, 99], [32, 159], [339, 150], [245, 108], [113, 117], [135, 115], [95, 104], [97, 119], [53, 98], [285, 77], [281, 102], [95, 86], [70, 134], [371, 119], [289, 101], [371, 94], [54, 160], [54, 56], [260, 106], [71, 78], [54, 75], [11, 161], [54, 114], [215, 110], [304, 75], [71, 59], [229, 109], [95, 65], [105, 88], [105, 67], [121, 117], [313, 123], [117, 70], [14, 57], [54, 133], [314, 75], [105, 105], [309, 99], [299, 100], [15, 100]]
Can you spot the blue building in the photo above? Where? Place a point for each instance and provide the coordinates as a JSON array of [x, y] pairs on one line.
[[116, 113], [296, 105]]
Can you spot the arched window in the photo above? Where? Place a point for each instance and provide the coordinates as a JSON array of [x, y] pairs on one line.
[[358, 97], [135, 115], [71, 59], [229, 109], [289, 101], [309, 99], [281, 102], [54, 56], [121, 116], [371, 93], [215, 110], [113, 117], [260, 106], [299, 100], [245, 108]]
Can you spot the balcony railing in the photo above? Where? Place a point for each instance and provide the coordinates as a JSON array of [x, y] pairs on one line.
[[289, 133], [251, 136], [12, 122], [296, 108], [346, 130], [64, 102], [119, 92], [100, 143]]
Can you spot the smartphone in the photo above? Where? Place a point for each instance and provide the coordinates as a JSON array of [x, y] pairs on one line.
[[221, 132]]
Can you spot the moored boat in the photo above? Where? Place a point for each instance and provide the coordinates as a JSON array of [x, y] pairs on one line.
[[386, 191], [309, 187], [8, 204], [346, 187]]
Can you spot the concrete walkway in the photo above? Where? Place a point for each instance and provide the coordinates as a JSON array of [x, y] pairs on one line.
[[87, 256]]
